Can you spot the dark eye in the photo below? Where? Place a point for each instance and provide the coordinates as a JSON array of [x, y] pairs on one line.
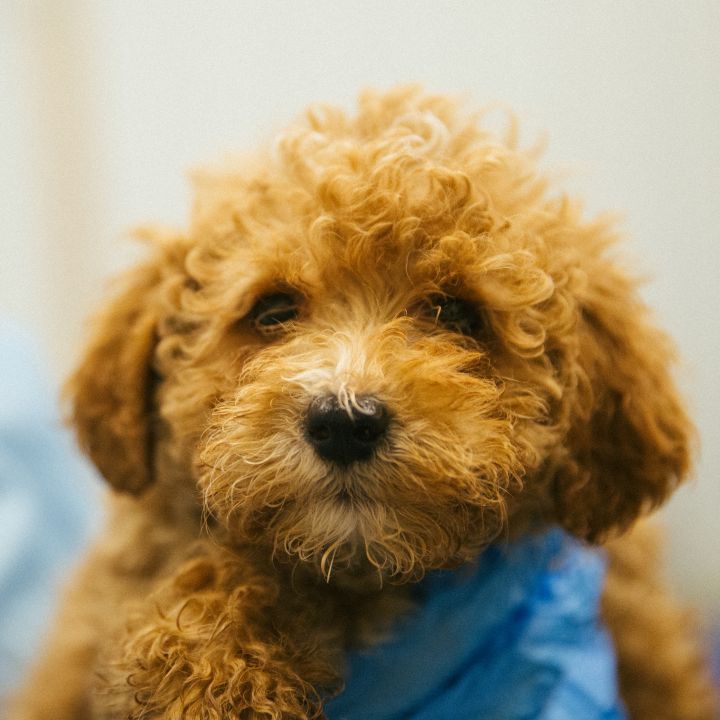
[[272, 312], [456, 314]]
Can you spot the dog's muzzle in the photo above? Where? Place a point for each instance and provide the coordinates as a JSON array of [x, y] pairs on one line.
[[346, 435]]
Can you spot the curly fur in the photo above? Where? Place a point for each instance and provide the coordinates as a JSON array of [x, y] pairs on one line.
[[239, 565]]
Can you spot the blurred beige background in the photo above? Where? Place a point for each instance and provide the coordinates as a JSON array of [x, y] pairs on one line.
[[106, 105]]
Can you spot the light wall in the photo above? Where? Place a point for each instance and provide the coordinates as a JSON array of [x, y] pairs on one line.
[[106, 105]]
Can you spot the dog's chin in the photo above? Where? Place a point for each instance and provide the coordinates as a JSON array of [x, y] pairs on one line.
[[350, 539]]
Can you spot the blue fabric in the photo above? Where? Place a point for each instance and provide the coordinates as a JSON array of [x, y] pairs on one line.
[[47, 503], [516, 636]]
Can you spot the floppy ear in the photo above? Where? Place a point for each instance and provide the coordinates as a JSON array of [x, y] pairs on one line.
[[111, 392], [630, 445]]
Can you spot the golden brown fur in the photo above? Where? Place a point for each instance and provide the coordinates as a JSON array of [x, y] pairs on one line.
[[241, 565]]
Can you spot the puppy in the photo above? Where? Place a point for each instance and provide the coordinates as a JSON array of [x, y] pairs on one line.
[[379, 348]]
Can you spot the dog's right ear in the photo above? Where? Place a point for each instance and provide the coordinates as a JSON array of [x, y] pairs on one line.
[[111, 392], [631, 441]]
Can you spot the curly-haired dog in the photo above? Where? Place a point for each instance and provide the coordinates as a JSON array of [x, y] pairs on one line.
[[378, 348]]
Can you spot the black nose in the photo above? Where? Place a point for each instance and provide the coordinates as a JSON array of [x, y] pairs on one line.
[[345, 437]]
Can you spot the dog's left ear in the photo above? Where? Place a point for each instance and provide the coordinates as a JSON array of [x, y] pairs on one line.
[[111, 392], [629, 447]]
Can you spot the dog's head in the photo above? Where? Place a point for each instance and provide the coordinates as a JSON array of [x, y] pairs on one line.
[[383, 343]]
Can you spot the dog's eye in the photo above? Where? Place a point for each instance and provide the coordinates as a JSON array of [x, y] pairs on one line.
[[456, 314], [272, 312]]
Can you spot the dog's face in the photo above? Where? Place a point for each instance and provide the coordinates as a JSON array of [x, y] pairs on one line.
[[379, 346], [356, 398]]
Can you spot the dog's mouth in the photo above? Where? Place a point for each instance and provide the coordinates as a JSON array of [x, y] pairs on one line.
[[351, 496]]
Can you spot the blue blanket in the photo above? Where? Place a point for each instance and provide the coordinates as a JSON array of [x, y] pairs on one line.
[[47, 501], [516, 636]]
